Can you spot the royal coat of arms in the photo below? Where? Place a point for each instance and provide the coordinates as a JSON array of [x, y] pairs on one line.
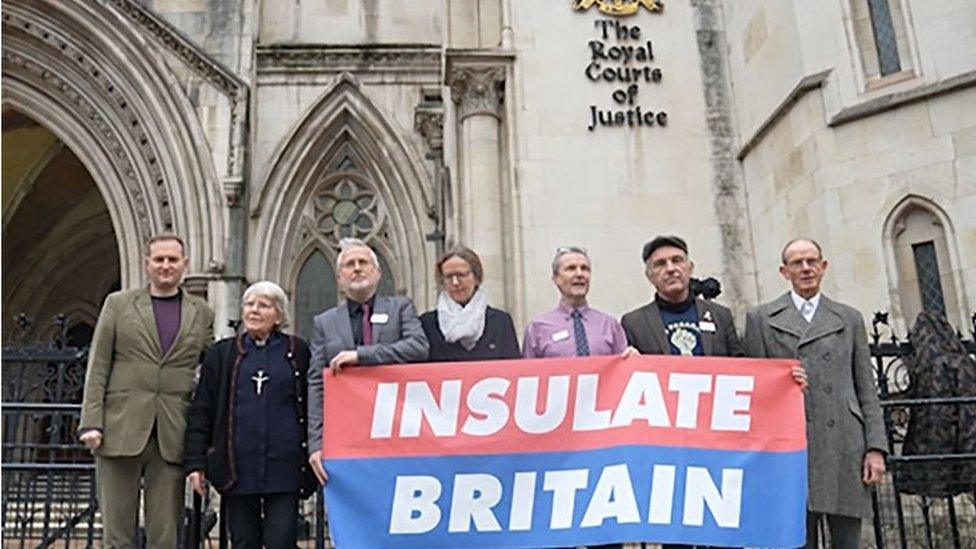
[[618, 7]]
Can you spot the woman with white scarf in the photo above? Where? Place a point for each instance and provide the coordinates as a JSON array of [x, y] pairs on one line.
[[463, 327]]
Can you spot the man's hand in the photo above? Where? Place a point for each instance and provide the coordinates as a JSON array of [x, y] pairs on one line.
[[198, 482], [344, 358], [799, 374], [629, 352], [91, 439], [315, 460], [874, 467]]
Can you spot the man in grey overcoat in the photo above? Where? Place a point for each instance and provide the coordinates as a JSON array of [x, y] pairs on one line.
[[846, 443], [366, 329]]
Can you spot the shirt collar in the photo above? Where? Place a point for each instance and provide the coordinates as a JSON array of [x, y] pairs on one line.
[[355, 306], [799, 301], [567, 310]]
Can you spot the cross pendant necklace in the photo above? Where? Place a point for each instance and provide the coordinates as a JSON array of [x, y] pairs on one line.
[[259, 380]]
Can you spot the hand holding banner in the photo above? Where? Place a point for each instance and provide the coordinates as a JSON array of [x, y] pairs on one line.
[[560, 452]]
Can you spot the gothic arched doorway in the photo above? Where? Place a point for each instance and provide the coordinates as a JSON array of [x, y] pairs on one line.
[[60, 253]]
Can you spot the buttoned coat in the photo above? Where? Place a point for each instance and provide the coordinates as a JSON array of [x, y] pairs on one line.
[[397, 340], [645, 330], [842, 408], [131, 386]]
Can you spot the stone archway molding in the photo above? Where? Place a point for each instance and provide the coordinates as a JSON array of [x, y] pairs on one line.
[[82, 70]]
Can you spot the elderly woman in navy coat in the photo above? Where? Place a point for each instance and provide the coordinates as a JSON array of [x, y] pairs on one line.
[[464, 327], [246, 428]]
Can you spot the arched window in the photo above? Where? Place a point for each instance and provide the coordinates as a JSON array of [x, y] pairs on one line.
[[882, 37], [345, 204], [923, 263], [315, 292]]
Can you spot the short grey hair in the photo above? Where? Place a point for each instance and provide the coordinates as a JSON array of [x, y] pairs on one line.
[[269, 289], [563, 250], [348, 242]]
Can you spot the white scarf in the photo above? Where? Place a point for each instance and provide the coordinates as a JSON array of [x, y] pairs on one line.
[[462, 324]]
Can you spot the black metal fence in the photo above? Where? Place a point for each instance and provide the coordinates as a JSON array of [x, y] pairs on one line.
[[927, 500], [48, 478], [49, 496]]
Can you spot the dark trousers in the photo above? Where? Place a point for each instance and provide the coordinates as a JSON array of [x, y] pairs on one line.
[[268, 518], [845, 532]]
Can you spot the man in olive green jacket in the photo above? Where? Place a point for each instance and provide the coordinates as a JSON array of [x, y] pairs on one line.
[[140, 379], [846, 443]]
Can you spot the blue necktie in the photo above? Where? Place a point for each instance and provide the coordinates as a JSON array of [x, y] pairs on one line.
[[579, 334]]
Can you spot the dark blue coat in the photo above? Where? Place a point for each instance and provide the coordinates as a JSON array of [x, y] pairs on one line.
[[211, 433]]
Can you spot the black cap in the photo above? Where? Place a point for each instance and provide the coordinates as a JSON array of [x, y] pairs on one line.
[[662, 241]]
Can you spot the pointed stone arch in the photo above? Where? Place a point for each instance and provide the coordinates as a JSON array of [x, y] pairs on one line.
[[79, 68], [344, 139], [904, 229]]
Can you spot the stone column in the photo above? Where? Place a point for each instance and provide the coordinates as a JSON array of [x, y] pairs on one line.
[[478, 91]]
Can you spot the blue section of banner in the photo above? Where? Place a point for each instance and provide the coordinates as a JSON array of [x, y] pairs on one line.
[[772, 512]]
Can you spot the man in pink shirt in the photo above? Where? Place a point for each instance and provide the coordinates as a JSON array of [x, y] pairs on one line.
[[573, 328]]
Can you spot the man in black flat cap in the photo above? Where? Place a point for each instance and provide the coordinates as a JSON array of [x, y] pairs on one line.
[[674, 322]]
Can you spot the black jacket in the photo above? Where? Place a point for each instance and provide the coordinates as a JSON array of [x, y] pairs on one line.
[[208, 439], [498, 341]]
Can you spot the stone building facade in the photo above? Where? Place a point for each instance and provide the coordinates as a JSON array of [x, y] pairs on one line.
[[265, 130]]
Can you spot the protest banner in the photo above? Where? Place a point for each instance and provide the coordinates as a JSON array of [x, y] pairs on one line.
[[566, 452]]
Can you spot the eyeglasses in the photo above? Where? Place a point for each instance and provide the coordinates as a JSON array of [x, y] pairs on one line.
[[448, 277]]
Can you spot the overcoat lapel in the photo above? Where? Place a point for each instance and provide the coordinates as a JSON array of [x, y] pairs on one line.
[[707, 338], [656, 325], [825, 321], [340, 321], [143, 304], [784, 317]]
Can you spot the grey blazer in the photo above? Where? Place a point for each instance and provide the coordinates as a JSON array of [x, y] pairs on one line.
[[400, 339], [842, 408], [645, 330]]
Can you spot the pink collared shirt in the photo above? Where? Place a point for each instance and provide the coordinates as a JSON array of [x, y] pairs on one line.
[[551, 334]]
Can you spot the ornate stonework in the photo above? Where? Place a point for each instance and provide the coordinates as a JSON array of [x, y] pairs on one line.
[[337, 59], [211, 70], [33, 72], [429, 122], [107, 98], [477, 89]]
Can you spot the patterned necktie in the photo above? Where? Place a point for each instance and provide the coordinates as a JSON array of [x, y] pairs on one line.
[[579, 334], [367, 326]]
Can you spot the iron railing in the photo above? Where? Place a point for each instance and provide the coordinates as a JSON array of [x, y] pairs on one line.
[[48, 477], [904, 516]]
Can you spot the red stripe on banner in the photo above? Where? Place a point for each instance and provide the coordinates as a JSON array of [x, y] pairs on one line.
[[470, 408]]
